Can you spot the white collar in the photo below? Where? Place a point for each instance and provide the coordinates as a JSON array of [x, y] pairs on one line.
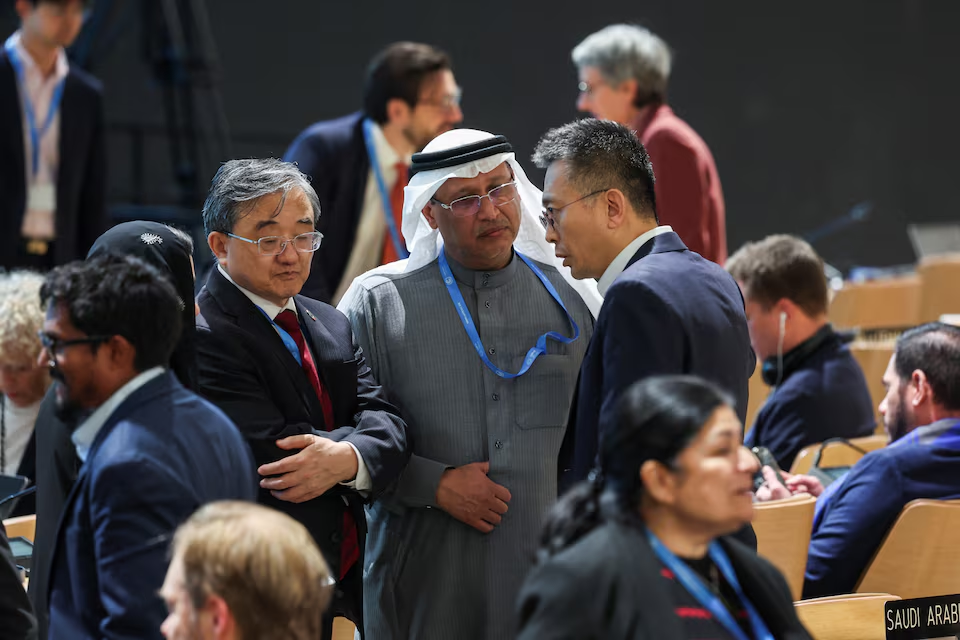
[[60, 69], [87, 432], [387, 156], [619, 263], [268, 307]]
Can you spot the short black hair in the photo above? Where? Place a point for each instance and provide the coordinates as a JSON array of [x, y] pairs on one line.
[[602, 154], [933, 348], [63, 3], [398, 72], [119, 295]]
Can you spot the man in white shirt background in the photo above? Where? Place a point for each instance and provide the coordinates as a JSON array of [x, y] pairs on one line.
[[53, 183]]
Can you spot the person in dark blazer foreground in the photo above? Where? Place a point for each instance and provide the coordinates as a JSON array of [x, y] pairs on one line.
[[53, 184], [641, 549], [170, 251], [666, 310], [152, 451], [288, 370]]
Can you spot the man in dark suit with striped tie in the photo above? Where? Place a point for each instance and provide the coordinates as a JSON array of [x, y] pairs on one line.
[[288, 371]]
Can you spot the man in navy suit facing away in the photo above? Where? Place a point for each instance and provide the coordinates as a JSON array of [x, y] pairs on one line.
[[152, 451], [666, 310]]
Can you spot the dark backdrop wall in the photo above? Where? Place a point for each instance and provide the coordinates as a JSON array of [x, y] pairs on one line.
[[809, 108]]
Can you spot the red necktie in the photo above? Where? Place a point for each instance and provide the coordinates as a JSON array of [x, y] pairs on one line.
[[396, 203], [287, 320]]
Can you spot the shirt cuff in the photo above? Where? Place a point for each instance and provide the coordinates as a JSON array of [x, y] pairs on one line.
[[360, 482]]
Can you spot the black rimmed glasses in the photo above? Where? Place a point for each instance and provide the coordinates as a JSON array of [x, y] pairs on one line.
[[548, 214], [54, 345], [275, 245], [469, 205]]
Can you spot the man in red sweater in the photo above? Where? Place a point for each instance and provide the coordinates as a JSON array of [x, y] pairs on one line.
[[624, 71]]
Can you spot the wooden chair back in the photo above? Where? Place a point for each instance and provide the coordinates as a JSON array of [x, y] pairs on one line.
[[837, 454], [25, 526], [783, 529], [918, 558], [854, 617]]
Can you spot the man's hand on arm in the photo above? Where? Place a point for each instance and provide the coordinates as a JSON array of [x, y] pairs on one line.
[[467, 494], [320, 464]]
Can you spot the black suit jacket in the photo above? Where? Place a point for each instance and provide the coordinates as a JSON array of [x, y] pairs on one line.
[[334, 157], [16, 614], [57, 466], [245, 369], [670, 312], [82, 174], [607, 586]]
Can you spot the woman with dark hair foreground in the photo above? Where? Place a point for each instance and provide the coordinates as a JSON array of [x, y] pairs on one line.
[[640, 550]]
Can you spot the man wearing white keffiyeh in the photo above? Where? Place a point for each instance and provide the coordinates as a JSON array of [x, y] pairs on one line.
[[477, 338]]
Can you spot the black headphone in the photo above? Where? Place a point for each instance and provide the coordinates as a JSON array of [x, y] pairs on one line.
[[777, 367]]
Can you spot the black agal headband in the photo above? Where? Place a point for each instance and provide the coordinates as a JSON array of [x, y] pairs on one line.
[[457, 156]]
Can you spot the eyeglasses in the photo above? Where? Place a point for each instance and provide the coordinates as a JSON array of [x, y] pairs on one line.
[[469, 205], [275, 245], [446, 103], [54, 345], [548, 215]]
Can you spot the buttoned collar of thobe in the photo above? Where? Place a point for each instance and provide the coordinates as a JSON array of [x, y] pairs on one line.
[[272, 310], [484, 279], [620, 263], [87, 432]]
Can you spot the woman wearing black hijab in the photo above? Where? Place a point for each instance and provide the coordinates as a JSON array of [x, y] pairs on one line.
[[169, 250]]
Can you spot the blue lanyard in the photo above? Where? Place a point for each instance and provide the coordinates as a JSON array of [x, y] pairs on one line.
[[288, 340], [695, 586], [384, 194], [35, 134], [471, 328]]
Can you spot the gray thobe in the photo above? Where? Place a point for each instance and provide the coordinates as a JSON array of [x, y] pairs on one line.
[[428, 576]]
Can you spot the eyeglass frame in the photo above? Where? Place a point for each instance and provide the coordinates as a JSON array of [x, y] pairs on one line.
[[550, 223], [449, 207], [283, 247], [55, 346], [446, 103]]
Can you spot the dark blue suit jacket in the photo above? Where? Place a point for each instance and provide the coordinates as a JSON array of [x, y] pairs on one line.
[[81, 177], [824, 397], [853, 519], [163, 453], [670, 312], [334, 157]]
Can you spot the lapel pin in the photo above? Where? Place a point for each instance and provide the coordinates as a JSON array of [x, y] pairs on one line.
[[310, 315]]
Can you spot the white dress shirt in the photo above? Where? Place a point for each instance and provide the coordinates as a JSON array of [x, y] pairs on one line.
[[18, 426], [619, 263], [87, 432], [372, 226], [39, 222], [361, 481]]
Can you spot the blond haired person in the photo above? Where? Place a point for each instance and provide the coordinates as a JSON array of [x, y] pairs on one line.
[[242, 571], [22, 381]]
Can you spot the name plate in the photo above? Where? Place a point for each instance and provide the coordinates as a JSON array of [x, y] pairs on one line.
[[923, 618]]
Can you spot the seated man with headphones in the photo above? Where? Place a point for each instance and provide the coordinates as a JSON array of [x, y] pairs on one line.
[[819, 391]]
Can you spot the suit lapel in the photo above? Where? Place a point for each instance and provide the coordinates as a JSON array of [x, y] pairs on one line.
[[252, 320], [65, 513], [330, 367]]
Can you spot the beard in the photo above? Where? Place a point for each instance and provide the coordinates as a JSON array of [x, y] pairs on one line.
[[67, 411], [898, 425]]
